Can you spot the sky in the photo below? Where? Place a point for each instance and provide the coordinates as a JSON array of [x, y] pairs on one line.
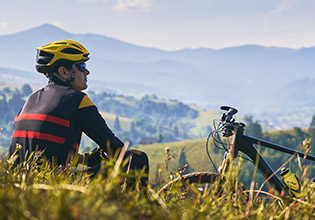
[[172, 24]]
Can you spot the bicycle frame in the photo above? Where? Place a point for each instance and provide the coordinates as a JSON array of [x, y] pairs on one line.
[[245, 144]]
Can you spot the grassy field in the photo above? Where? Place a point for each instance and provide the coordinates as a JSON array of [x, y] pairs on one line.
[[38, 192], [194, 150]]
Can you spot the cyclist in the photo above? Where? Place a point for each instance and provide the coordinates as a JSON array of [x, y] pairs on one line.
[[53, 118]]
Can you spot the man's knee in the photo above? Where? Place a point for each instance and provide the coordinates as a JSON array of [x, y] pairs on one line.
[[139, 159]]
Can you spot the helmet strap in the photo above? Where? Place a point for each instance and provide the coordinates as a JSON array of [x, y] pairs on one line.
[[68, 81], [59, 77], [71, 79]]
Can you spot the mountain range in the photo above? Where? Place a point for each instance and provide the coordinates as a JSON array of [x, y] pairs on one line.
[[265, 81]]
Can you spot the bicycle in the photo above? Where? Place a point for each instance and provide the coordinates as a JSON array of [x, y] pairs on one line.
[[228, 127]]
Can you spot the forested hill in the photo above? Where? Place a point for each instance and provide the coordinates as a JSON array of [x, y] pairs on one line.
[[139, 120], [148, 119], [11, 100]]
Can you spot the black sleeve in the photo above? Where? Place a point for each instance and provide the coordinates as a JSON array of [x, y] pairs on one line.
[[93, 125]]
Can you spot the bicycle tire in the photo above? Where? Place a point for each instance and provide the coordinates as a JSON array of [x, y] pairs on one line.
[[196, 177]]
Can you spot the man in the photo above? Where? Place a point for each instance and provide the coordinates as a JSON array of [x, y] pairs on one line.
[[53, 118]]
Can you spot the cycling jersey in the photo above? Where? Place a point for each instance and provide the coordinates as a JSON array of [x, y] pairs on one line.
[[53, 119]]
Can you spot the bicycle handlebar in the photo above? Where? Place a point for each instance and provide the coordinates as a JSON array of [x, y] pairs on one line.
[[229, 124], [228, 116]]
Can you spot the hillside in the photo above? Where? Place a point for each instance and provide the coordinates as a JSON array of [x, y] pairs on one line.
[[152, 119], [195, 153]]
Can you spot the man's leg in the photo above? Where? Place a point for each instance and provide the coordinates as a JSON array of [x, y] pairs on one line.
[[138, 161]]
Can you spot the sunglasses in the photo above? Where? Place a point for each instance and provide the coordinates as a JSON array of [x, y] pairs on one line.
[[80, 66]]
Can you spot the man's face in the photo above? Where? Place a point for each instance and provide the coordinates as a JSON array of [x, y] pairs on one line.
[[80, 73], [80, 81]]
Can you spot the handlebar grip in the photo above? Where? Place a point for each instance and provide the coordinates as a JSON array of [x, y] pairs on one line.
[[230, 110]]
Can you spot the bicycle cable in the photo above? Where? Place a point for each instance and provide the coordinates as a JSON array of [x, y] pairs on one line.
[[207, 149], [218, 143]]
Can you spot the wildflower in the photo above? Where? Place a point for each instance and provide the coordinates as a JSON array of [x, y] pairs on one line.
[[167, 150]]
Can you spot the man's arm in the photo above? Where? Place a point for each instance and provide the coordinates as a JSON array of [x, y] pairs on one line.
[[93, 125]]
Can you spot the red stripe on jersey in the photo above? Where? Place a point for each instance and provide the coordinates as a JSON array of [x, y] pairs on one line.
[[76, 146], [39, 135], [43, 117]]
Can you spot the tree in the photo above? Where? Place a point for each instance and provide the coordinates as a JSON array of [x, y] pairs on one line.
[[7, 90], [16, 102], [133, 132], [117, 124], [26, 89], [160, 138], [311, 131], [3, 105], [252, 128]]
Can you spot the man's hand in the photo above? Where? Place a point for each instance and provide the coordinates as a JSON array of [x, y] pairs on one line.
[[93, 157]]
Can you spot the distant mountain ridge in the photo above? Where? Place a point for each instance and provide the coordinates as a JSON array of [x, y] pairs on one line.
[[14, 76], [252, 78], [299, 92]]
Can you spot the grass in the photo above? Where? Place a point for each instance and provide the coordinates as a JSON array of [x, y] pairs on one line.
[[194, 150], [34, 191]]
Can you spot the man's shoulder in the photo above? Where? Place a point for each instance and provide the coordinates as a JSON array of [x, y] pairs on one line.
[[86, 102], [80, 97]]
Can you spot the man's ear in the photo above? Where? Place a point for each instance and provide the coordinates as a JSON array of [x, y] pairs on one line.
[[63, 72]]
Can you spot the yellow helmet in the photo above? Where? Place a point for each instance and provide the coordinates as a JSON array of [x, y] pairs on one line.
[[63, 51]]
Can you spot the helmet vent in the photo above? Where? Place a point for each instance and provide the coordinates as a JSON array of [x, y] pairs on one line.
[[44, 57], [76, 46], [71, 51]]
